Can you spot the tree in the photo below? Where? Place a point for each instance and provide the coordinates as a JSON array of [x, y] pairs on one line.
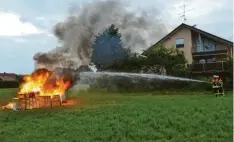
[[230, 65], [172, 59], [19, 77], [160, 60], [108, 48]]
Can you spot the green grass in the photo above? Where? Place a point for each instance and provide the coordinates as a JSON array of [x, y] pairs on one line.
[[123, 117]]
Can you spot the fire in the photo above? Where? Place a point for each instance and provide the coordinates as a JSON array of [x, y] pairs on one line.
[[40, 88], [45, 83]]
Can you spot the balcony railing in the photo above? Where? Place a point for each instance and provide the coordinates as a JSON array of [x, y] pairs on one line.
[[205, 53], [209, 67]]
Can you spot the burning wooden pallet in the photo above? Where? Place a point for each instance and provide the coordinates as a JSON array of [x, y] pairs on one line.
[[50, 85], [34, 100]]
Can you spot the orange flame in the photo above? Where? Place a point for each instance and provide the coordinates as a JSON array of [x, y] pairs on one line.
[[43, 83], [38, 82]]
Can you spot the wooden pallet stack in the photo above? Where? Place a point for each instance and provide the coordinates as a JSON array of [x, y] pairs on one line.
[[34, 100]]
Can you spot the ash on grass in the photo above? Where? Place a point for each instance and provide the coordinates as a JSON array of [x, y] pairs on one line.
[[140, 117]]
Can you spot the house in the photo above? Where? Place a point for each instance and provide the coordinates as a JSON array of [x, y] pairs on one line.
[[205, 52], [84, 68], [7, 77]]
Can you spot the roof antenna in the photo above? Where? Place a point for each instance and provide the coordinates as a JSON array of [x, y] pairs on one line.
[[183, 14]]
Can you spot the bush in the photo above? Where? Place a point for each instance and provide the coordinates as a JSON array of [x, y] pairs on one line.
[[19, 78], [160, 60], [9, 84], [172, 59], [128, 84]]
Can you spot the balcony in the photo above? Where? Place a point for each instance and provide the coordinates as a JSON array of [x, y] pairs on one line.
[[208, 53], [209, 67]]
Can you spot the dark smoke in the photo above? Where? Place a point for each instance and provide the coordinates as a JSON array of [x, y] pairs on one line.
[[79, 31]]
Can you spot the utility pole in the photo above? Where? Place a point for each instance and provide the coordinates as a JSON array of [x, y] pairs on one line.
[[183, 14]]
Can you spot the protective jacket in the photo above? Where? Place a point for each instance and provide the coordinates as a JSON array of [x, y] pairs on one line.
[[217, 82]]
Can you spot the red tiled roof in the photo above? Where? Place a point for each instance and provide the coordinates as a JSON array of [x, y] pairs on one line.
[[8, 76]]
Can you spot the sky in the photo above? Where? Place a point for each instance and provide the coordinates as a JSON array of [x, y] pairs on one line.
[[26, 25]]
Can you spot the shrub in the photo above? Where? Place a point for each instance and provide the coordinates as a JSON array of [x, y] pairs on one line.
[[137, 84], [172, 59], [9, 84]]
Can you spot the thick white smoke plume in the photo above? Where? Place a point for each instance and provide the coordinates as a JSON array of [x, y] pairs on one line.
[[80, 29]]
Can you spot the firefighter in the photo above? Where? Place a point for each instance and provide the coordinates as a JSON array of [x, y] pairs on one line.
[[217, 85], [220, 86]]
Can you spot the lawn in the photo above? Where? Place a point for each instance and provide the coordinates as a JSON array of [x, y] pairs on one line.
[[142, 117]]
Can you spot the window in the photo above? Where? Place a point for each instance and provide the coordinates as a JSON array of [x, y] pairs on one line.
[[208, 45], [180, 43]]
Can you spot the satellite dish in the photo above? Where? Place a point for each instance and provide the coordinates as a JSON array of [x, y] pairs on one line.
[[194, 25]]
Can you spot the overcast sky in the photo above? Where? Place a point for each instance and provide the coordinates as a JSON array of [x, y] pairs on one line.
[[26, 25]]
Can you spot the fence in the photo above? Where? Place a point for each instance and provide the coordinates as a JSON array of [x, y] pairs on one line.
[[209, 67]]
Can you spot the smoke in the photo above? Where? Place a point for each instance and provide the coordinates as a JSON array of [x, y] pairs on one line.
[[78, 32]]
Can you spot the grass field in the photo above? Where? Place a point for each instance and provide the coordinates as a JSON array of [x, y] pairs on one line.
[[123, 117]]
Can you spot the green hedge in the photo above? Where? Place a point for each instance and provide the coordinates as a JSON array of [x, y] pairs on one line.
[[126, 84], [9, 84]]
